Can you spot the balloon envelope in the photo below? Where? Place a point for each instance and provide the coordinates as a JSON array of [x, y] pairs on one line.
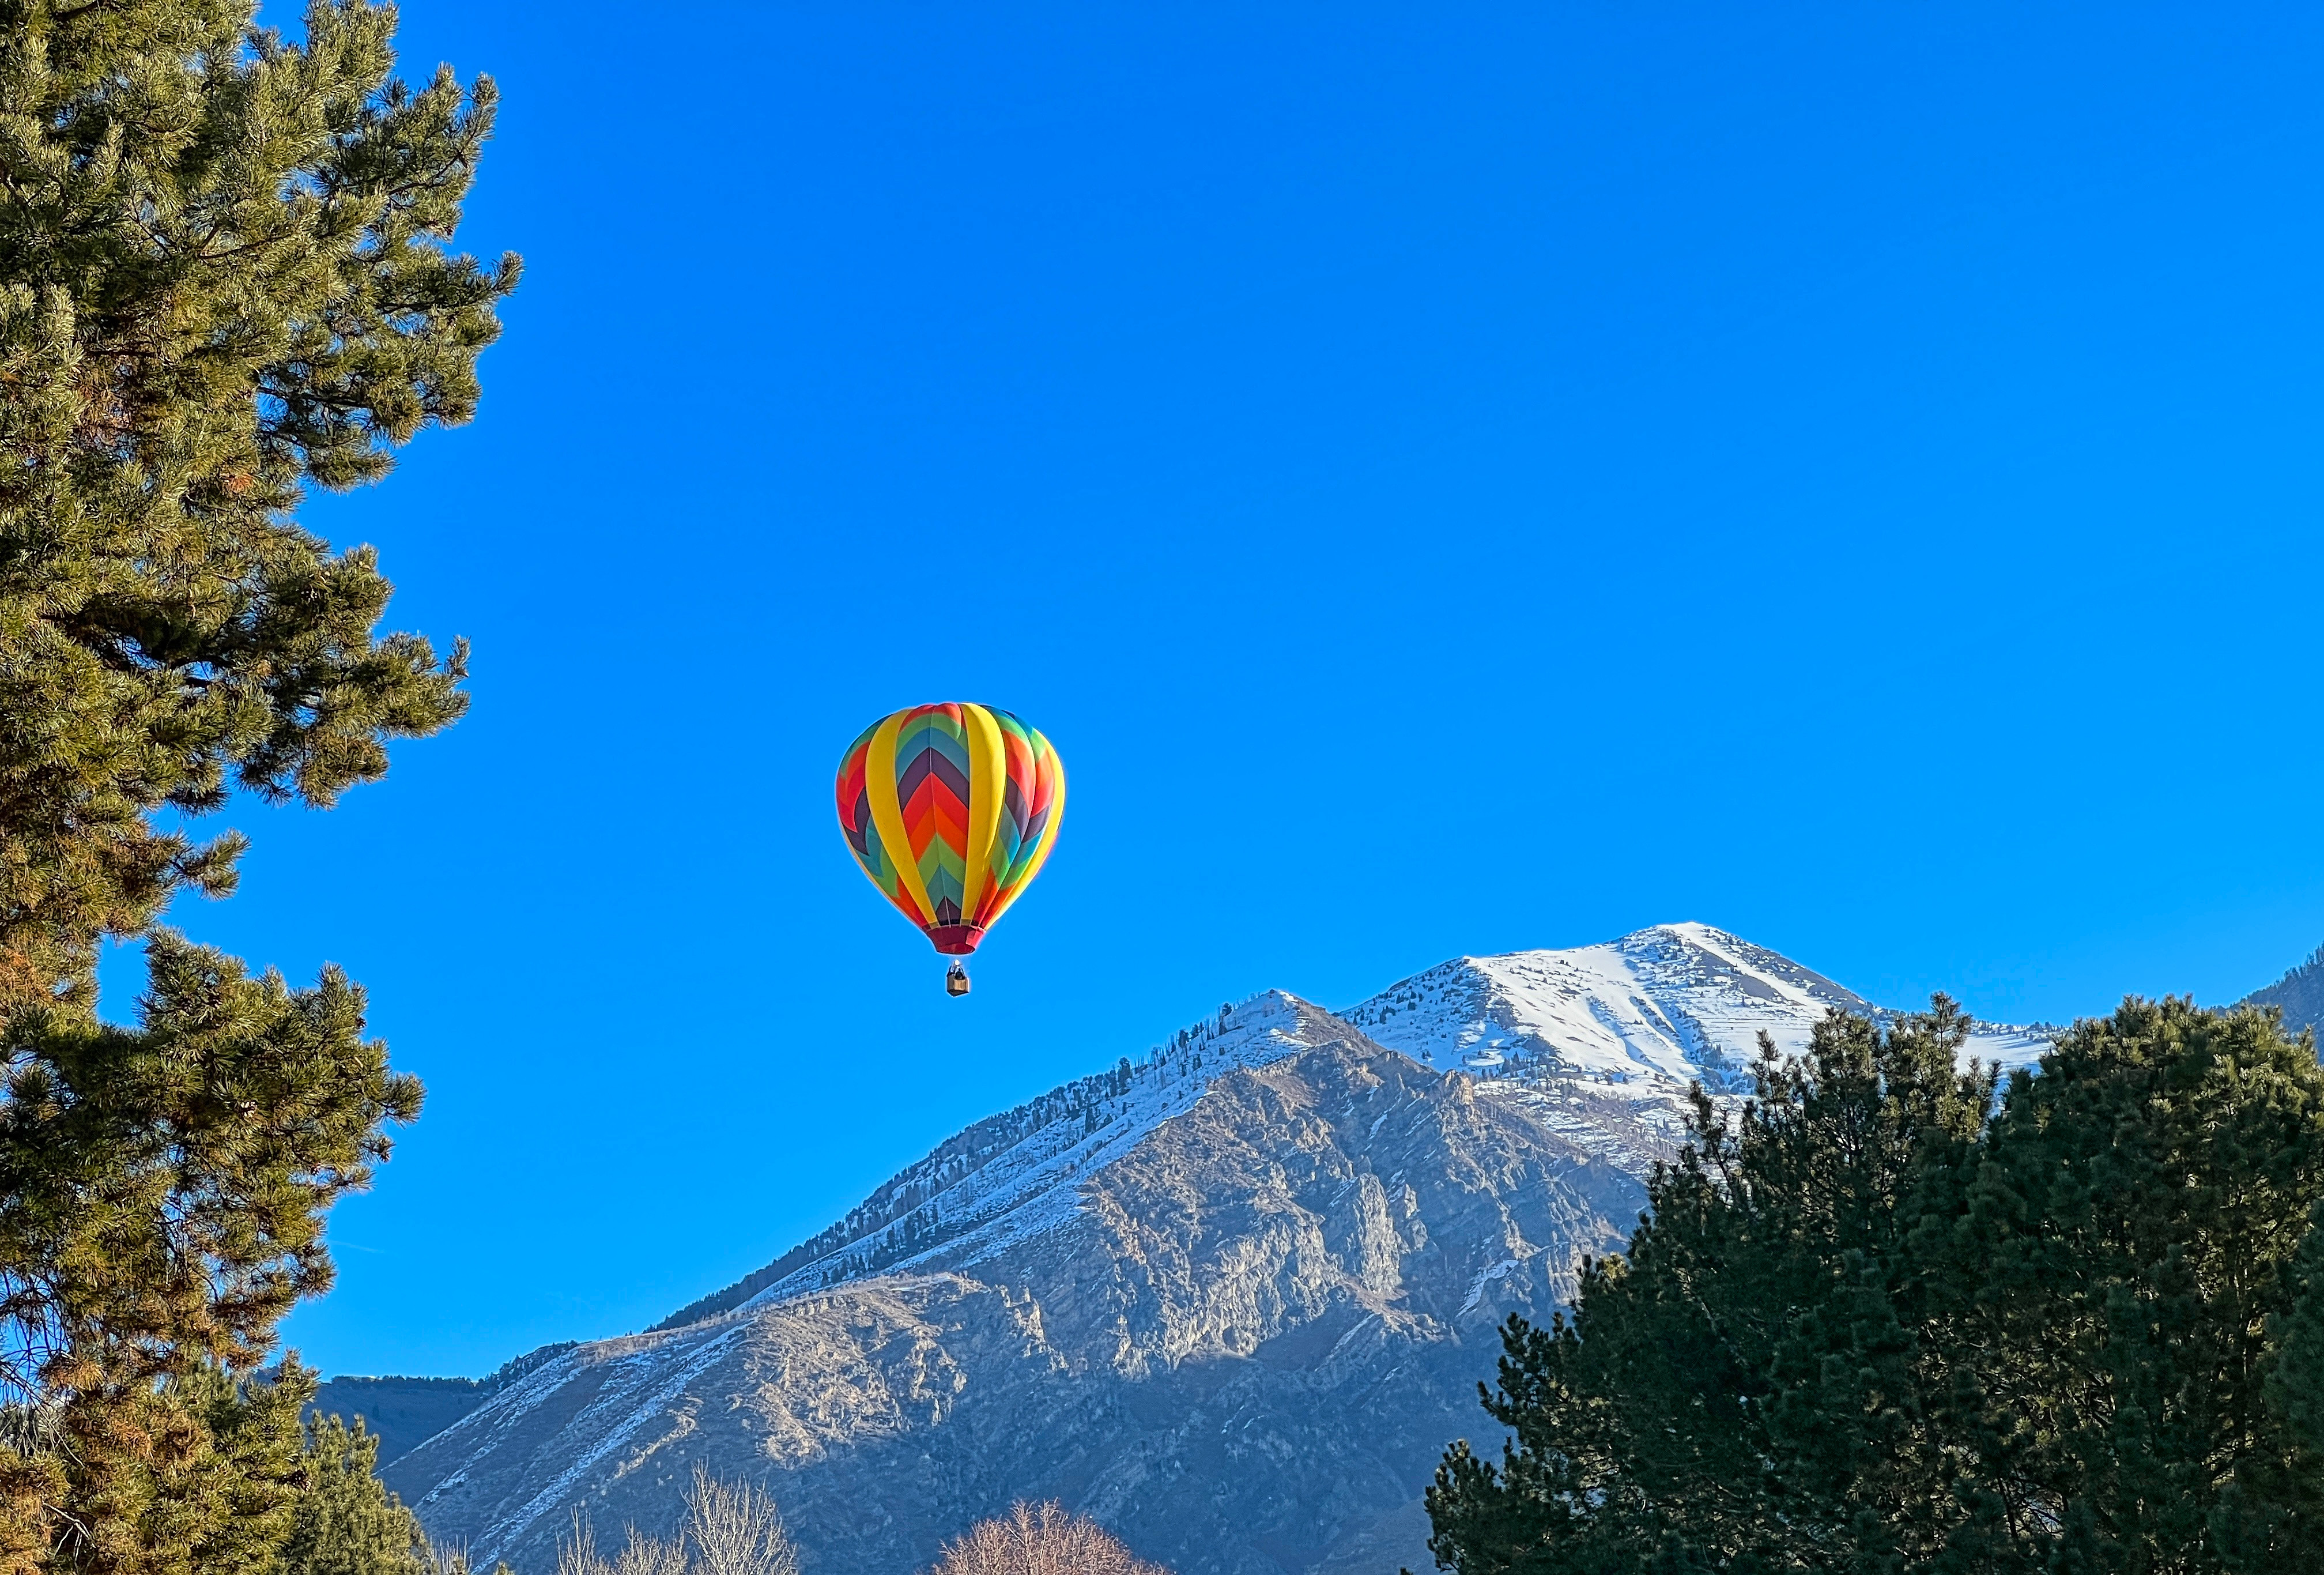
[[952, 811]]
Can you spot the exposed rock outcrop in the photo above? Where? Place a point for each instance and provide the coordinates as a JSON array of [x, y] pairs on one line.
[[1232, 1300], [1243, 1348]]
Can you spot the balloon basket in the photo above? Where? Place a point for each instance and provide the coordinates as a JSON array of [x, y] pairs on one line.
[[956, 981]]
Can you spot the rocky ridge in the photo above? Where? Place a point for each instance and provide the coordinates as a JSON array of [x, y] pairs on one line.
[[1232, 1298], [2298, 994]]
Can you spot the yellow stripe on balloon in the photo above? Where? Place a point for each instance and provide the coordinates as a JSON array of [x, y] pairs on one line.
[[988, 780], [888, 818], [1048, 832]]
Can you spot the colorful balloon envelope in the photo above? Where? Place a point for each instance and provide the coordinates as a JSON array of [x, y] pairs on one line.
[[952, 811]]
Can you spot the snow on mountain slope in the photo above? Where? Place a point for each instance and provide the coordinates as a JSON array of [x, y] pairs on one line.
[[1019, 1172], [1643, 1015], [1229, 1297], [1605, 1038], [1233, 1310], [969, 1214]]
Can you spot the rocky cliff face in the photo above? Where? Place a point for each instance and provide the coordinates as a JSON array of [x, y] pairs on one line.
[[1233, 1300], [1243, 1349]]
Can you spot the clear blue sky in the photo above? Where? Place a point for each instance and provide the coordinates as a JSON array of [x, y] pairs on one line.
[[1448, 481]]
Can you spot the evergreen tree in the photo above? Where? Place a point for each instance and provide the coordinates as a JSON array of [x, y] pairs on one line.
[[220, 1501], [1675, 1419], [223, 278], [1868, 1329], [162, 1194], [2285, 1485], [345, 1521], [2106, 1275]]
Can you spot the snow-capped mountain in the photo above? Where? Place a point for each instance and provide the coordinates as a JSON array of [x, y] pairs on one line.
[[1232, 1296], [1016, 1174], [1648, 1013]]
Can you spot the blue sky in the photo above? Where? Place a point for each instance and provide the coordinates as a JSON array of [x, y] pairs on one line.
[[1447, 481]]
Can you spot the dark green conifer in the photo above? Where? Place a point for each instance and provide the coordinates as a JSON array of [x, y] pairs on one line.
[[1866, 1331], [344, 1521], [1725, 1393], [223, 1503], [2106, 1280], [224, 279], [162, 1194]]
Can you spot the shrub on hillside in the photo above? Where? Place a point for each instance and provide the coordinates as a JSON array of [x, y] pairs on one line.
[[1041, 1539], [730, 1529]]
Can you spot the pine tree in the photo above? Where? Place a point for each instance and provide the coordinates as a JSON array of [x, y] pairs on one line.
[[162, 1192], [218, 1499], [2278, 1500], [223, 279], [2106, 1275], [222, 1503], [1870, 1329], [1725, 1393], [345, 1521]]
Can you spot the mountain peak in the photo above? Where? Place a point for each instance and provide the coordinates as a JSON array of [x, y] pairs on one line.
[[1238, 1334], [1636, 1019], [1230, 1296], [1649, 1013]]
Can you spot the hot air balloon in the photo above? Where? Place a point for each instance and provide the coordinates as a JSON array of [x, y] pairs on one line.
[[951, 810]]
